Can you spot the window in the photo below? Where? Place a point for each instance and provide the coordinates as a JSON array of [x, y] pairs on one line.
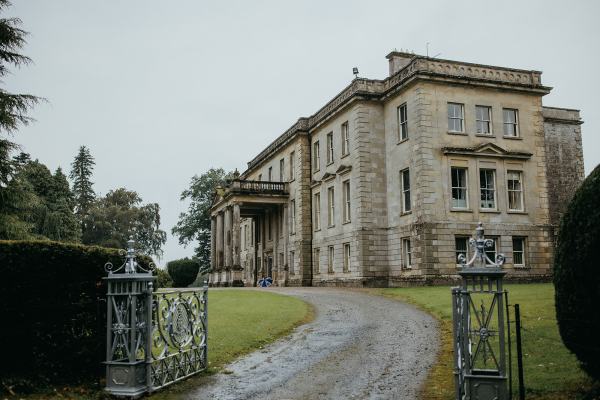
[[487, 178], [459, 187], [406, 253], [345, 139], [330, 207], [510, 119], [515, 190], [402, 123], [260, 177], [270, 174], [291, 267], [405, 187], [490, 252], [330, 251], [317, 261], [281, 169], [483, 119], [455, 117], [461, 245], [346, 192], [317, 208], [293, 217], [346, 257], [518, 251], [329, 147], [316, 157], [292, 165]]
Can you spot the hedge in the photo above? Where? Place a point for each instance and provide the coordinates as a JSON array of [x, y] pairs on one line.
[[183, 271], [53, 302], [577, 275]]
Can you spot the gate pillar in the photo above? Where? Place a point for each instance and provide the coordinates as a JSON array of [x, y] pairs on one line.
[[479, 325], [128, 321]]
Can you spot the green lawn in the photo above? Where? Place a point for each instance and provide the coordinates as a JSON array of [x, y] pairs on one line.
[[551, 371]]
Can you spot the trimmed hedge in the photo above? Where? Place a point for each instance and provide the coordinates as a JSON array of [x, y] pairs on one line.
[[53, 302], [183, 271], [577, 275]]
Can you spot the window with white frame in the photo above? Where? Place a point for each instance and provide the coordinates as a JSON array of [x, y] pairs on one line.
[[402, 123], [346, 192], [329, 147], [456, 117], [330, 206], [461, 245], [270, 174], [518, 251], [510, 118], [491, 252], [346, 257], [405, 188], [483, 120], [330, 255], [514, 186], [293, 217], [345, 139], [292, 165], [487, 188], [291, 263], [458, 177], [316, 156], [281, 170], [317, 261], [406, 253], [317, 212]]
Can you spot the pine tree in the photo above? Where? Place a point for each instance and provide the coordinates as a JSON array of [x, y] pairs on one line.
[[81, 174]]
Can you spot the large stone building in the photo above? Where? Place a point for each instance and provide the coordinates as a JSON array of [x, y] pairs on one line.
[[386, 182]]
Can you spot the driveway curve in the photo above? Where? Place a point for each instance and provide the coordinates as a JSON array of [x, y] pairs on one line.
[[359, 346]]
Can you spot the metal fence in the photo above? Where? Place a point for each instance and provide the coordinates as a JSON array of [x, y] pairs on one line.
[[153, 339]]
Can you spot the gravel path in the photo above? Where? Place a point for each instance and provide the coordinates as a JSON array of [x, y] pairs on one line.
[[358, 347]]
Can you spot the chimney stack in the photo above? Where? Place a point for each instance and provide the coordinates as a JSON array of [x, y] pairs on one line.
[[399, 60]]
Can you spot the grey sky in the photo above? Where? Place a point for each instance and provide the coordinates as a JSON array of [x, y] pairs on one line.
[[160, 91]]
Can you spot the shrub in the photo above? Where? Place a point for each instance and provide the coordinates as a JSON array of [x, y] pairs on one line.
[[577, 276], [52, 297], [183, 271], [163, 279]]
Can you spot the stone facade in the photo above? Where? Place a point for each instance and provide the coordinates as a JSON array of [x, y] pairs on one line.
[[385, 183]]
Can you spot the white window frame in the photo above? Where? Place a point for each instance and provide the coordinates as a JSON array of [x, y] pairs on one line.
[[317, 207], [523, 251], [402, 116], [346, 257], [512, 191], [329, 148], [316, 156], [281, 170], [330, 206], [406, 199], [487, 189], [346, 199], [330, 258], [345, 139], [457, 252], [461, 189], [406, 253], [514, 124], [483, 120], [460, 118]]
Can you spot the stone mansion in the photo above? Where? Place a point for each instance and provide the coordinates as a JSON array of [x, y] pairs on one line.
[[384, 184]]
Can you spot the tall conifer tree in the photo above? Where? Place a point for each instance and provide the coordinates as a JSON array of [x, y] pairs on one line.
[[81, 174]]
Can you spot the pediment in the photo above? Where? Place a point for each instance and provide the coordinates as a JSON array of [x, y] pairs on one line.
[[343, 169], [487, 150], [327, 176]]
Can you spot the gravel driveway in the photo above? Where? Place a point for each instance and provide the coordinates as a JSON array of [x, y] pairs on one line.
[[358, 347]]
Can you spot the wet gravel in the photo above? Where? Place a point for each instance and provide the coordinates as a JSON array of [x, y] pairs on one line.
[[358, 347]]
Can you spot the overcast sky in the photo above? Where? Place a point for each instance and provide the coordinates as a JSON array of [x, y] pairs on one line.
[[160, 91]]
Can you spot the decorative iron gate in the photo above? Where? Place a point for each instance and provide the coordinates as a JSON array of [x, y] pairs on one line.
[[153, 339], [479, 325]]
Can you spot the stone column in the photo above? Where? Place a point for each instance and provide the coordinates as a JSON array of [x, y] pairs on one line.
[[277, 214], [227, 224], [213, 238], [219, 240], [236, 236]]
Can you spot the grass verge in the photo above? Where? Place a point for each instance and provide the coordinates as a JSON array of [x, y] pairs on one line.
[[550, 370]]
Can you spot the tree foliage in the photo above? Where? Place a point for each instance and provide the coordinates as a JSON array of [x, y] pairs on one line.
[[112, 219], [577, 276], [183, 272], [81, 175], [194, 225], [13, 107]]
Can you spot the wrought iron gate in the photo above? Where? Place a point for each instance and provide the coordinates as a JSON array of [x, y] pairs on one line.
[[153, 339]]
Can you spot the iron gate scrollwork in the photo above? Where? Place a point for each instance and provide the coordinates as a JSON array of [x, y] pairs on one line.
[[153, 338]]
